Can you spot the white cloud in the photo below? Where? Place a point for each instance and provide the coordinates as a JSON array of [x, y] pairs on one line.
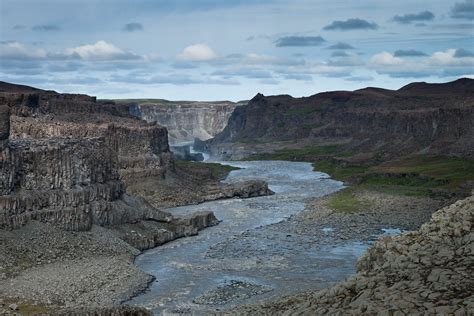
[[439, 64], [18, 51], [385, 59], [351, 60], [101, 51], [447, 58], [197, 52], [322, 69], [253, 58]]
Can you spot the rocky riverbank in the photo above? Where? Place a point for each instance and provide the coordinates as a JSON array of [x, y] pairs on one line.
[[425, 271], [44, 268], [48, 268]]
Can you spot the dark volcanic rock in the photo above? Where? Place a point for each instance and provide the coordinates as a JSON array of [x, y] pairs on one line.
[[184, 153], [16, 88], [71, 217], [68, 159], [419, 118]]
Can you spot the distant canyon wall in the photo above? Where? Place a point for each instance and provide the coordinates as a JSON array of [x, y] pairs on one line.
[[418, 118], [187, 120]]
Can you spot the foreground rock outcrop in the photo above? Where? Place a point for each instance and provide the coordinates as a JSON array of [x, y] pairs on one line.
[[429, 271]]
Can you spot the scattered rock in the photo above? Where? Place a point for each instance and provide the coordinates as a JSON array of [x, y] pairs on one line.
[[231, 291], [394, 277]]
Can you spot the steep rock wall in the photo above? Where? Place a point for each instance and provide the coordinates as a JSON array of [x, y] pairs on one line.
[[433, 119], [186, 121], [73, 183], [64, 159], [142, 148]]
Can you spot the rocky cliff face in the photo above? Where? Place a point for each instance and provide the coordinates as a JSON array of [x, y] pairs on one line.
[[64, 161], [186, 120], [70, 160], [419, 118], [81, 187]]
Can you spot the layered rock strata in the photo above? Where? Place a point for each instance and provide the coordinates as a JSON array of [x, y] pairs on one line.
[[64, 161], [186, 120]]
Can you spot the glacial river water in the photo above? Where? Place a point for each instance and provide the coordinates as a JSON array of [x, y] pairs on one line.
[[247, 258]]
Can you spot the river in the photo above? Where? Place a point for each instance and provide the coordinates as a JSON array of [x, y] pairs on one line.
[[248, 258]]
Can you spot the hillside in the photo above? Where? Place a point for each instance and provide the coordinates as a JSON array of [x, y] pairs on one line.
[[418, 118]]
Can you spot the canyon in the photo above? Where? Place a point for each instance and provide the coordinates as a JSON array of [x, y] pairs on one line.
[[87, 185], [72, 165], [399, 150], [185, 120]]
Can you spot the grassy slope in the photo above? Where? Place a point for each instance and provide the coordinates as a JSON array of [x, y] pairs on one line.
[[346, 201], [411, 176]]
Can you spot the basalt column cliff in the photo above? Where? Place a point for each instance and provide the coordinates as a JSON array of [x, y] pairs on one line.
[[64, 161], [70, 160]]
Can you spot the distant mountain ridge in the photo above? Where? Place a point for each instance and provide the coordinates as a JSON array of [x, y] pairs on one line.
[[418, 118]]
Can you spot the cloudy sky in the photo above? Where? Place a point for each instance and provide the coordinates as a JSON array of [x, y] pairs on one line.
[[232, 49]]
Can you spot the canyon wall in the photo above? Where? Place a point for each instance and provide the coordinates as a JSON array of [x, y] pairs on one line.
[[186, 120], [419, 118], [73, 161], [66, 159]]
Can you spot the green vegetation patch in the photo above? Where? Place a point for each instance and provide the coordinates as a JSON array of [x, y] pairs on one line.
[[451, 171], [410, 176], [401, 184], [339, 171], [346, 201], [301, 111], [308, 153], [218, 170]]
